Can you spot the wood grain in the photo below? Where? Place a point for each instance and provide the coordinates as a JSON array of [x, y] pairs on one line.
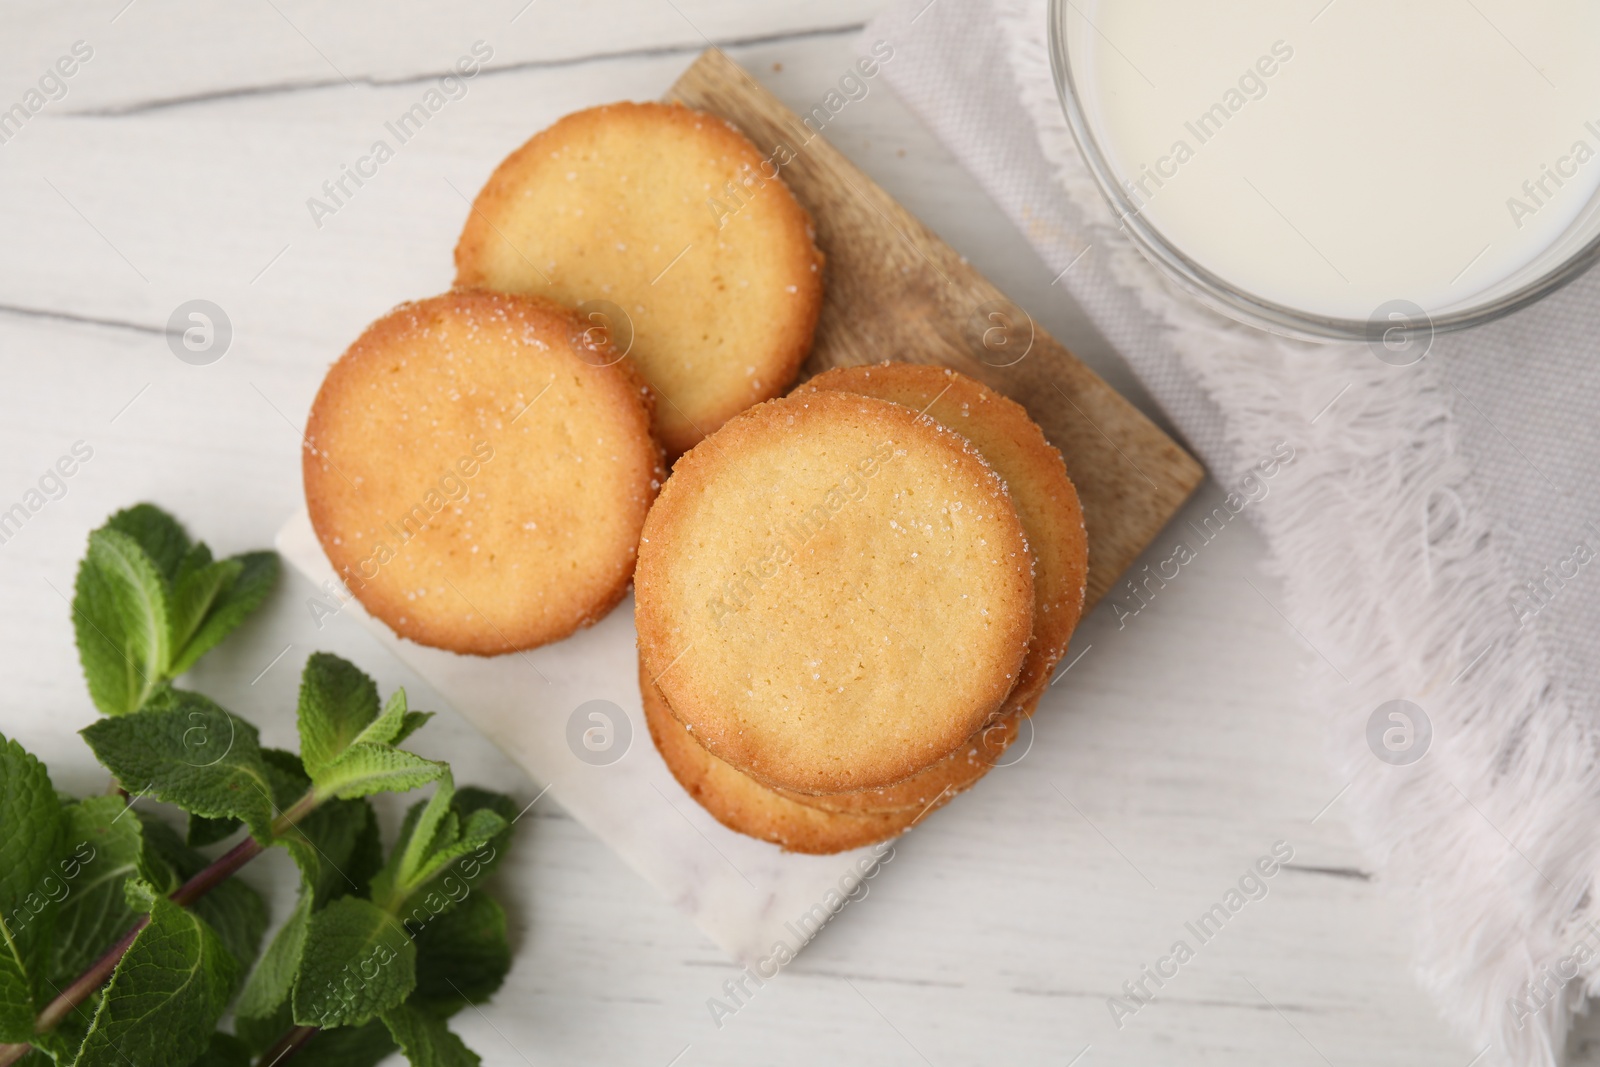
[[896, 291]]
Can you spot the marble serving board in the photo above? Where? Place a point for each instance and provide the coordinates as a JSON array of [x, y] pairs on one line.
[[570, 713]]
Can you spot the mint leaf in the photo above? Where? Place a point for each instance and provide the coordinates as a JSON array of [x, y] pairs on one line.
[[347, 1046], [471, 853], [427, 1042], [193, 595], [261, 1014], [196, 559], [449, 877], [225, 1051], [166, 994], [357, 961], [479, 811], [289, 779], [203, 831], [447, 844], [32, 828], [103, 848], [421, 826], [338, 848], [164, 852], [386, 727], [393, 725], [253, 575], [463, 956], [471, 798], [289, 784], [337, 702], [191, 753], [36, 1057], [157, 532], [367, 769], [120, 616], [435, 827]]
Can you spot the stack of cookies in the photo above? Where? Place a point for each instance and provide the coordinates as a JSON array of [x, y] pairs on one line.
[[848, 599]]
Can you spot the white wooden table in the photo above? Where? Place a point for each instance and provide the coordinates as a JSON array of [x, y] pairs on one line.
[[178, 165]]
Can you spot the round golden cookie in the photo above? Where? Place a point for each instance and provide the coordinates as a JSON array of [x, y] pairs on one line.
[[746, 806], [675, 218], [1048, 506], [1045, 499], [833, 592], [478, 475]]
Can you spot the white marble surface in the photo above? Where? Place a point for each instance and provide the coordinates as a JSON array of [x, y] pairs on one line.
[[177, 166]]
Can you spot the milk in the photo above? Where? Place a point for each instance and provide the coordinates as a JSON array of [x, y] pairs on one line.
[[1334, 157]]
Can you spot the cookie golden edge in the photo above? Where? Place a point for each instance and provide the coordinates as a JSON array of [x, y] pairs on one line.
[[789, 345], [954, 774], [627, 385], [746, 806], [655, 632], [1056, 617]]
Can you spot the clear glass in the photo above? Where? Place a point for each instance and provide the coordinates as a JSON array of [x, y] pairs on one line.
[[1573, 252]]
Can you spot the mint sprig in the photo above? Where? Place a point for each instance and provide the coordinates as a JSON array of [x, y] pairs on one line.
[[123, 941], [149, 603], [449, 838], [347, 745]]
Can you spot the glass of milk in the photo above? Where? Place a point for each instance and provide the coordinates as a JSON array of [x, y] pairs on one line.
[[1327, 168]]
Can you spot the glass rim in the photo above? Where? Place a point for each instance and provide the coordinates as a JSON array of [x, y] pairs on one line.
[[1240, 304]]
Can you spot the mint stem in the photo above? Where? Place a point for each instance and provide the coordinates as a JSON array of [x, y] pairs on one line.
[[286, 1046], [219, 871]]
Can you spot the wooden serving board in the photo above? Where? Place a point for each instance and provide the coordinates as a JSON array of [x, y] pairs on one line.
[[894, 290]]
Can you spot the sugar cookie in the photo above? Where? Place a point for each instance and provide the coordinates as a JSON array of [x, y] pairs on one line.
[[674, 218], [834, 592], [478, 474]]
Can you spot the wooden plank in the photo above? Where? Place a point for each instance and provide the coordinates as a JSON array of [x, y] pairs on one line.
[[896, 291], [148, 58]]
